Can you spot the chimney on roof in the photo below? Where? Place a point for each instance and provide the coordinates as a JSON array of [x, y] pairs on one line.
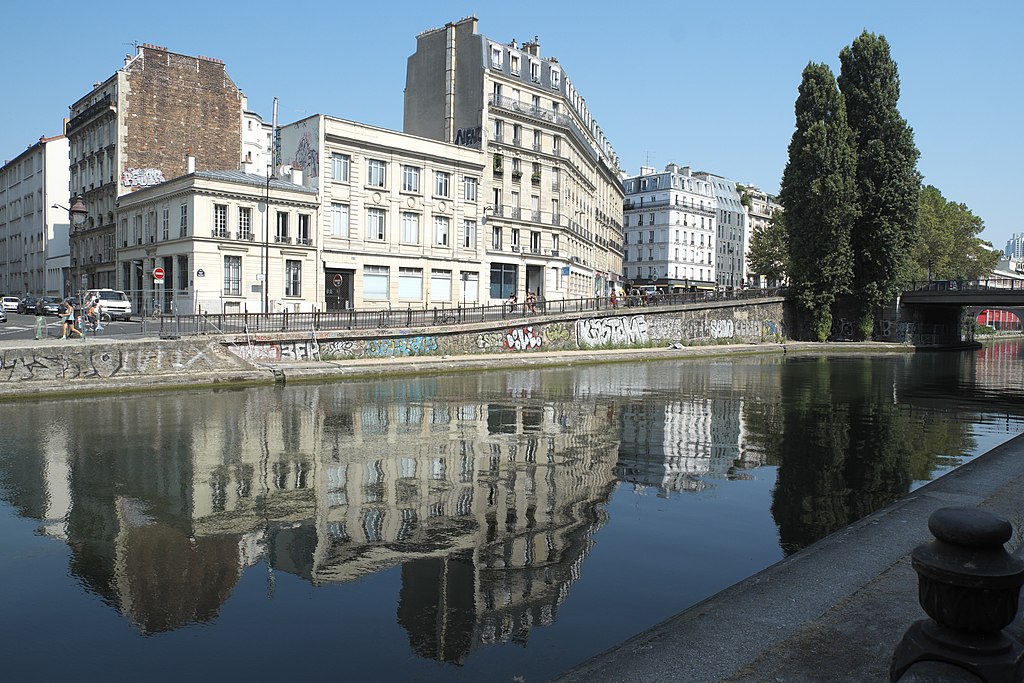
[[532, 47]]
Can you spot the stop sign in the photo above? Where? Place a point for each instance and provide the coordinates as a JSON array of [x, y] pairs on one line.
[[158, 274]]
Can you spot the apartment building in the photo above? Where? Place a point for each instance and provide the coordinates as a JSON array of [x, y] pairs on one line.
[[400, 220], [135, 129], [669, 219], [551, 183], [33, 231], [732, 235], [227, 241], [761, 209]]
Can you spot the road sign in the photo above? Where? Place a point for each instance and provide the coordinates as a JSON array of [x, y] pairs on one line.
[[158, 275], [337, 280]]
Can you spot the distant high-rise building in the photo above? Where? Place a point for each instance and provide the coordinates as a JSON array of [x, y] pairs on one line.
[[1015, 247], [552, 182]]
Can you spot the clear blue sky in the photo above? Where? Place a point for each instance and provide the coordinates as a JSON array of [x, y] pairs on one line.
[[710, 85]]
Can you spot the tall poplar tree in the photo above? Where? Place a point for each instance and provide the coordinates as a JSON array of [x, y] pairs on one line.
[[820, 199], [887, 179]]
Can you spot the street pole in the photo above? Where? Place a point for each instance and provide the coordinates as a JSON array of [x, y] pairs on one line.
[[78, 213], [266, 246]]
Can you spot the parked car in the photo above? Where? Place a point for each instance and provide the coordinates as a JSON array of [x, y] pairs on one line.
[[51, 305], [27, 305], [112, 301], [3, 315], [10, 304]]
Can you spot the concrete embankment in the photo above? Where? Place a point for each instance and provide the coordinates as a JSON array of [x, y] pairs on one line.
[[834, 611], [112, 365]]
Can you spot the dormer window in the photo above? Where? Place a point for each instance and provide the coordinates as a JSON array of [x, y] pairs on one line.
[[556, 78], [513, 61], [535, 71], [496, 53]]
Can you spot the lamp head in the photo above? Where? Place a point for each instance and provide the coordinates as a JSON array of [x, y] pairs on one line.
[[78, 213]]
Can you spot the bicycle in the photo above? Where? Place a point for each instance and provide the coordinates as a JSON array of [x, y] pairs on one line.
[[94, 324]]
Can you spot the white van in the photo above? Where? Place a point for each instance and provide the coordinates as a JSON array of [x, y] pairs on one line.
[[113, 302]]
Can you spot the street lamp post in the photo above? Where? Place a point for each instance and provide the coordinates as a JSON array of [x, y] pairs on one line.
[[78, 213], [266, 243]]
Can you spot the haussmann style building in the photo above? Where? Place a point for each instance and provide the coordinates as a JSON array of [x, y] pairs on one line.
[[551, 191]]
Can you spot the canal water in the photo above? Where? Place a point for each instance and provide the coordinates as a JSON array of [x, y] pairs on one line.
[[499, 526]]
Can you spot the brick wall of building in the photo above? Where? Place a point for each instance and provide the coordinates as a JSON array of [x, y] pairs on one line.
[[173, 103]]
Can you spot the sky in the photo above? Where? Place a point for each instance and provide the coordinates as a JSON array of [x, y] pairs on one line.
[[709, 85]]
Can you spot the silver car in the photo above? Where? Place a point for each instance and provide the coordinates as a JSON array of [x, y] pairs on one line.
[[3, 315]]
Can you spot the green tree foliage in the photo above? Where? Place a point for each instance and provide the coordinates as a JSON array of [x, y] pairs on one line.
[[887, 179], [769, 250], [820, 201], [948, 246]]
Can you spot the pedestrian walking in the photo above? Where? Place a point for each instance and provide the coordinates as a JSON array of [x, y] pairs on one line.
[[40, 319], [68, 315], [512, 301]]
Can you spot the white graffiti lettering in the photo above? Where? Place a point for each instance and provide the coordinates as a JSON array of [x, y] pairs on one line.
[[611, 331]]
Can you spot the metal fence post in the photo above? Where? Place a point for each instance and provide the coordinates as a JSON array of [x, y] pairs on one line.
[[970, 587]]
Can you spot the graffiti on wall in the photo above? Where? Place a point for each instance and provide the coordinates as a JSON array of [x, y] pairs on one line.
[[19, 365], [693, 329], [406, 346], [624, 330], [523, 339], [340, 348], [306, 157], [141, 177]]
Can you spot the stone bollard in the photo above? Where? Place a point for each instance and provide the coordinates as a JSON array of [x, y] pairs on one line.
[[970, 587]]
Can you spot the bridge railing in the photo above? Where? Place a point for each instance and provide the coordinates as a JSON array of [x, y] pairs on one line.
[[173, 326], [983, 284]]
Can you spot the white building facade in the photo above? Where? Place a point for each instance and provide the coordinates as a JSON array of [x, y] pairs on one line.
[[669, 220], [733, 235], [33, 232], [761, 210], [401, 218], [220, 248], [551, 186]]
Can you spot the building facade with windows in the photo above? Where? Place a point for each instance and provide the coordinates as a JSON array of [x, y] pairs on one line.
[[134, 130], [761, 209], [669, 219], [551, 185], [401, 218], [33, 232], [732, 234], [219, 246]]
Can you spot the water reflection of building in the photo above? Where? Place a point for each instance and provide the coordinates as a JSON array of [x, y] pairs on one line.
[[681, 445], [489, 506]]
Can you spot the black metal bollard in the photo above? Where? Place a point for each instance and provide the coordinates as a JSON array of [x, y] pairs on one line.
[[970, 587]]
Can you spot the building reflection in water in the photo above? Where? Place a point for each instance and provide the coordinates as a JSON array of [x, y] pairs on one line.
[[485, 491], [700, 436], [488, 504]]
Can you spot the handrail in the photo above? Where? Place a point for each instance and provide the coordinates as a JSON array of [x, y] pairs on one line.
[[392, 318]]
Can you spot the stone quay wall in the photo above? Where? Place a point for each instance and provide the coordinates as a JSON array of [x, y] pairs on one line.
[[622, 328], [111, 364]]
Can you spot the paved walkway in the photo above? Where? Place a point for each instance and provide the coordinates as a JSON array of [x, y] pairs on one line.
[[832, 612]]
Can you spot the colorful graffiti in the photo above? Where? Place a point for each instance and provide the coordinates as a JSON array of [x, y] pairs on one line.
[[628, 330], [407, 346], [523, 339]]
